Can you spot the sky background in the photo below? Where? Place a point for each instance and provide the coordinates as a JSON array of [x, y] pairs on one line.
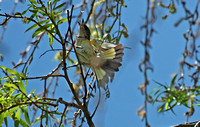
[[120, 109]]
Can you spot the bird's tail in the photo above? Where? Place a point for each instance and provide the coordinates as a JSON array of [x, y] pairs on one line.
[[113, 58]]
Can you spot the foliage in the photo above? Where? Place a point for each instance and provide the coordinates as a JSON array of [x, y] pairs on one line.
[[180, 92], [104, 20], [174, 95], [47, 18], [183, 89]]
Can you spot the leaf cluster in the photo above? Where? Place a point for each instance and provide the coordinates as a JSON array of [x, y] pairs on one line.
[[175, 95], [47, 18], [14, 98]]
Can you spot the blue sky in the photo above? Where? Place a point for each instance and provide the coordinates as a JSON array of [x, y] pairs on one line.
[[120, 109]]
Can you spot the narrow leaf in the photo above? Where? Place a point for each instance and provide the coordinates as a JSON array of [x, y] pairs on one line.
[[32, 91], [8, 70], [50, 40], [173, 81], [26, 115], [24, 12], [59, 6], [6, 121], [1, 118], [23, 123], [39, 119], [22, 87], [16, 123], [33, 2], [62, 20], [154, 90], [39, 30], [18, 114], [55, 1], [117, 41], [36, 25], [58, 13], [32, 16], [160, 84]]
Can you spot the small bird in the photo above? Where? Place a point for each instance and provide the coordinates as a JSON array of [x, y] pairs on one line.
[[102, 57]]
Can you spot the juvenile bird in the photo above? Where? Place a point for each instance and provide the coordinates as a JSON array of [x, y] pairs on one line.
[[102, 57]]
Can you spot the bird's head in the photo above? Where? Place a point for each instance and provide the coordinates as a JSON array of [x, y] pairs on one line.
[[84, 31]]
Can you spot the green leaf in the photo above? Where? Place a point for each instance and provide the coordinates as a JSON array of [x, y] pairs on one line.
[[11, 111], [6, 121], [119, 38], [23, 123], [53, 20], [197, 104], [58, 13], [50, 40], [50, 36], [26, 115], [39, 119], [47, 8], [154, 90], [15, 97], [22, 75], [10, 85], [62, 20], [18, 114], [22, 87], [161, 108], [59, 6], [24, 12], [48, 25], [157, 91], [1, 118], [38, 31], [36, 25], [53, 116], [32, 91], [16, 123], [47, 118], [55, 1], [161, 84], [107, 29], [171, 107], [34, 11], [32, 16], [173, 81], [9, 70], [33, 2]]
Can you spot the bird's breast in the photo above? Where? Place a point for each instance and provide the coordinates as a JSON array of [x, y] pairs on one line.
[[85, 51]]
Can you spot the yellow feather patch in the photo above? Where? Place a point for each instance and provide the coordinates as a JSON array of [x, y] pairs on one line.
[[100, 73], [108, 54]]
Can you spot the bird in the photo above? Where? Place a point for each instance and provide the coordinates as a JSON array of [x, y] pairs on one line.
[[102, 57]]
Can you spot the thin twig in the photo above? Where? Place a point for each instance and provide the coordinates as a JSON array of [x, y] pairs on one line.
[[97, 103], [62, 116]]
